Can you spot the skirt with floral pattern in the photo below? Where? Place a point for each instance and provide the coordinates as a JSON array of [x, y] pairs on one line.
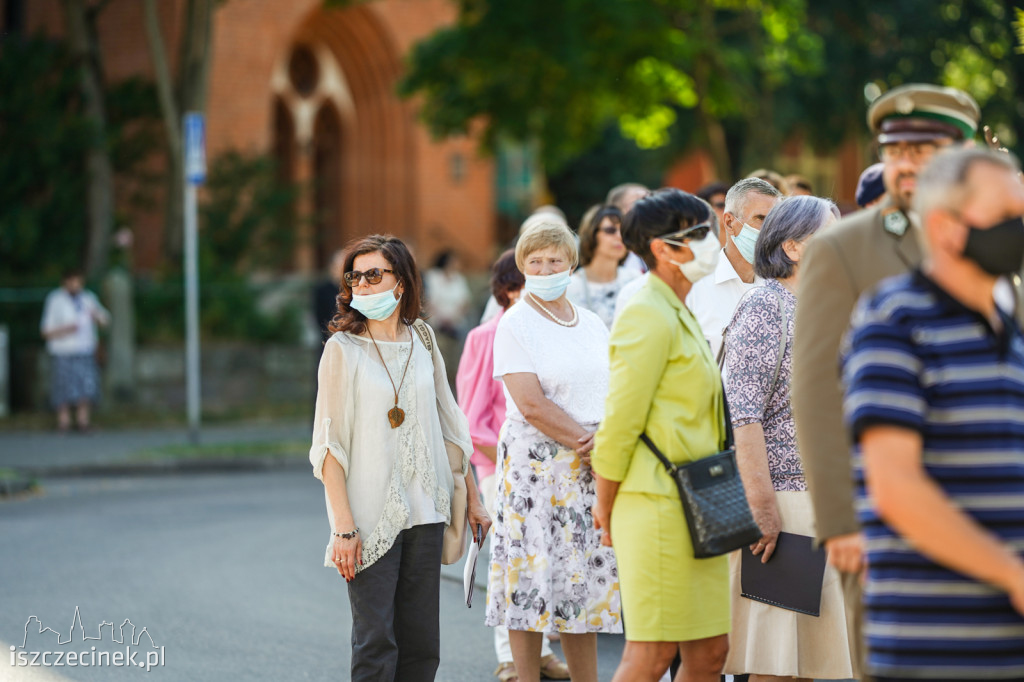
[[548, 571]]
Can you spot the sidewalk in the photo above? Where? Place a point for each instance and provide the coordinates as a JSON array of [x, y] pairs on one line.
[[47, 453]]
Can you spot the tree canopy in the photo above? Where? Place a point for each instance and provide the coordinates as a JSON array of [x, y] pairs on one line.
[[751, 72]]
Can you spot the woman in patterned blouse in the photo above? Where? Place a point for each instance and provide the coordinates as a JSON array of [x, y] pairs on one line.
[[769, 641]]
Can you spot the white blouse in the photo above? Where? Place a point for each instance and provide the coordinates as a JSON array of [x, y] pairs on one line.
[[599, 297], [571, 363], [61, 310], [395, 478]]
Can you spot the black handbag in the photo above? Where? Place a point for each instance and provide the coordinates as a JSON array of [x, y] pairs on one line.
[[714, 503]]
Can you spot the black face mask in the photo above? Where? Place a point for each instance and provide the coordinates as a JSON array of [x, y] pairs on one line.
[[998, 250]]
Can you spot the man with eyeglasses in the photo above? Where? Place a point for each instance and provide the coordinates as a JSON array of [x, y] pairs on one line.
[[911, 123], [713, 300]]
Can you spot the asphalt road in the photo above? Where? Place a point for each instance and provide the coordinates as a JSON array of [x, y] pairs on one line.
[[223, 571]]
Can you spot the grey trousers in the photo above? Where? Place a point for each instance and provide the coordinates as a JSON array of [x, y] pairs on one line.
[[395, 610]]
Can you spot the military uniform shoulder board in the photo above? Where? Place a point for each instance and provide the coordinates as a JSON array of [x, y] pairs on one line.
[[895, 222]]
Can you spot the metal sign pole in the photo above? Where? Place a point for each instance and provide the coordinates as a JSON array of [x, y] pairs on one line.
[[195, 174]]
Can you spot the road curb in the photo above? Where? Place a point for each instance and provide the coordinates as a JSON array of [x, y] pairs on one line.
[[162, 466]]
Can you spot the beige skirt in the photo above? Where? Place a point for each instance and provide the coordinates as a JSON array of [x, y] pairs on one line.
[[768, 640]]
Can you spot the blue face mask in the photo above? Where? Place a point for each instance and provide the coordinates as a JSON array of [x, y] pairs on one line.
[[745, 241], [376, 306], [547, 287]]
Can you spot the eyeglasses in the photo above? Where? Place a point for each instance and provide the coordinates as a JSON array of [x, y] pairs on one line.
[[609, 229], [373, 276], [912, 151], [697, 232]]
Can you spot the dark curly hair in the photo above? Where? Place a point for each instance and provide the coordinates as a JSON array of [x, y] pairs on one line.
[[396, 253]]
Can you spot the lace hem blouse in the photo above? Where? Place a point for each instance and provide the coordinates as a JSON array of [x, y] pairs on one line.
[[395, 478]]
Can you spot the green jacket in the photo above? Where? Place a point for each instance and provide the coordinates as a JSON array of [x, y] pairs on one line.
[[663, 381]]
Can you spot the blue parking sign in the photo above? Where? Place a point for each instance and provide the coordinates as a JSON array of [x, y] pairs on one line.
[[195, 148]]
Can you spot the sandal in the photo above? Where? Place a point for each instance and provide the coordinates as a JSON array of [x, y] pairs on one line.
[[506, 672], [552, 668]]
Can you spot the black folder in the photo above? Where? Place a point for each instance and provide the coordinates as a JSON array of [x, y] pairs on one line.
[[791, 579]]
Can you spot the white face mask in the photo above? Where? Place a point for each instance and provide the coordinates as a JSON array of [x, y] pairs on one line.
[[705, 257]]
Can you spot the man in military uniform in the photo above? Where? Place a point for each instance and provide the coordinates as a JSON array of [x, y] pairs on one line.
[[841, 262]]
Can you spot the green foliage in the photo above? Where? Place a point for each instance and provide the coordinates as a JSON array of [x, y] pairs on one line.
[[44, 138], [756, 70], [247, 217], [871, 47], [246, 226], [559, 73]]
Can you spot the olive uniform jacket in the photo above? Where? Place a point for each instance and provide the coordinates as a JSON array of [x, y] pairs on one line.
[[840, 263]]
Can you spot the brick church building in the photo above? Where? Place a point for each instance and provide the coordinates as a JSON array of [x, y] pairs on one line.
[[316, 88]]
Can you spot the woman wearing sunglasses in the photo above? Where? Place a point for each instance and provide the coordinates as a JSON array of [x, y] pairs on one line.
[[597, 283], [664, 382], [384, 411]]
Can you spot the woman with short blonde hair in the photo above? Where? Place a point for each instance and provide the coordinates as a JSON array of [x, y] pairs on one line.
[[548, 571]]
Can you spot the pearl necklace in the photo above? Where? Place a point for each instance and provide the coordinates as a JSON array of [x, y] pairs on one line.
[[570, 323]]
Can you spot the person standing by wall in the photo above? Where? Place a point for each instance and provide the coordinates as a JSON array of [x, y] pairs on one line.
[[70, 316]]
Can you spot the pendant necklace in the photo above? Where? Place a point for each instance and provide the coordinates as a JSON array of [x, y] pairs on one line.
[[396, 415], [570, 323]]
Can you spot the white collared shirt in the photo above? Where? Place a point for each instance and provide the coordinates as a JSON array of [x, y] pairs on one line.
[[713, 300]]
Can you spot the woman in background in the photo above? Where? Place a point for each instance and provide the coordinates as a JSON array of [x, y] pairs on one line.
[[596, 285]]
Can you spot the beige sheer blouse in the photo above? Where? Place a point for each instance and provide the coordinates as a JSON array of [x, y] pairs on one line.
[[395, 478]]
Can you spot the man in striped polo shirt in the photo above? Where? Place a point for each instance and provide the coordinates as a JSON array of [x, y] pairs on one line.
[[934, 373]]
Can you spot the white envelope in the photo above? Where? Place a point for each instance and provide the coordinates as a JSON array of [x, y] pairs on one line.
[[469, 573]]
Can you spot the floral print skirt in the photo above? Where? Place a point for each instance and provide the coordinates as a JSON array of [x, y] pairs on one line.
[[549, 571]]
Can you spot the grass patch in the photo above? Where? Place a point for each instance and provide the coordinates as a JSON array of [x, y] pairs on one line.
[[14, 484], [114, 418], [283, 448]]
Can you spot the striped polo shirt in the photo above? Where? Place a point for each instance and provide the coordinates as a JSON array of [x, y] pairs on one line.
[[917, 358]]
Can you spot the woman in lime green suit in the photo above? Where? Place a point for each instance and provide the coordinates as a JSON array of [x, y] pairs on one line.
[[664, 382]]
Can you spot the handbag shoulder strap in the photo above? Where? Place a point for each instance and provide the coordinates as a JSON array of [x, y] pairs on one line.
[[669, 467], [729, 438], [782, 340], [783, 337], [720, 358], [421, 331]]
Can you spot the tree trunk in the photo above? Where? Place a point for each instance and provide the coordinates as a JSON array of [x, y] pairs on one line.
[[84, 41], [197, 47], [172, 127], [714, 132], [187, 93]]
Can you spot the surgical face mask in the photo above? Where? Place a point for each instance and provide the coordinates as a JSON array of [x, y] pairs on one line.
[[547, 287], [376, 306], [998, 250], [745, 241], [705, 257]]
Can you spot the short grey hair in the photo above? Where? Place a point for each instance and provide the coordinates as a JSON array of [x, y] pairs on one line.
[[942, 184], [796, 218], [736, 197]]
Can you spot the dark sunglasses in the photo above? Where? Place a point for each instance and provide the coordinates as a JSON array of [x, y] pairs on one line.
[[373, 276], [697, 232], [610, 229]]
